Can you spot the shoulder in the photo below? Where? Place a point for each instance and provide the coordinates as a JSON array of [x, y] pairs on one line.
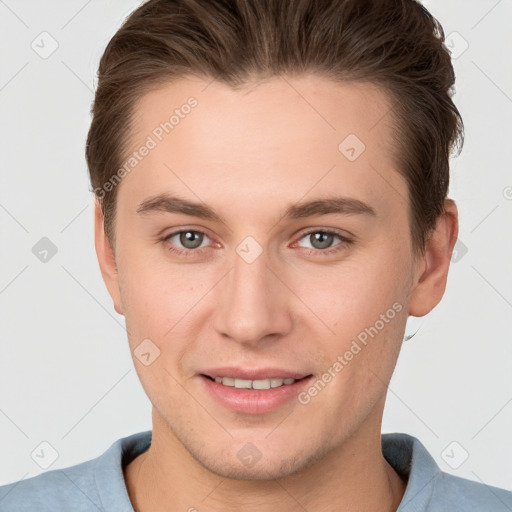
[[91, 486], [69, 488], [461, 494], [429, 489]]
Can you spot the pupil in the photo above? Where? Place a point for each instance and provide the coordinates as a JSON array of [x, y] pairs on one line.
[[188, 237], [323, 238]]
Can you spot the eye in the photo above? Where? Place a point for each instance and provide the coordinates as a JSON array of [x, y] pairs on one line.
[[321, 241], [189, 239]]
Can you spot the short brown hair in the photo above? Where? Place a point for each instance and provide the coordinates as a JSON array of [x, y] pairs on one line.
[[395, 44]]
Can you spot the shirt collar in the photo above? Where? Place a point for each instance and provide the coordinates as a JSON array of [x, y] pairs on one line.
[[407, 455]]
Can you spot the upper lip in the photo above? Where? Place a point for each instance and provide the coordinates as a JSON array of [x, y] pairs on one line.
[[254, 374]]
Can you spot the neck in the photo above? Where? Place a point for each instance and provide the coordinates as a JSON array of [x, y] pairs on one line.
[[355, 476]]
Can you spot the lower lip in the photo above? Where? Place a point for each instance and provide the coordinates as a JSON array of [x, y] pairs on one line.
[[254, 401]]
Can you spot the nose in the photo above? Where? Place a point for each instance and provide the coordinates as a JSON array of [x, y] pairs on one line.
[[252, 302]]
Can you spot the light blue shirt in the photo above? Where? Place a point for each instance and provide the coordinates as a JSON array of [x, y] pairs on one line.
[[98, 484]]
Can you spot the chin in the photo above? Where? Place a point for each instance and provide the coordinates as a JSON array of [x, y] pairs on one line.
[[268, 470], [249, 463]]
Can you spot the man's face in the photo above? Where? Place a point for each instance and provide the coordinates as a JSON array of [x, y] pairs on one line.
[[261, 290]]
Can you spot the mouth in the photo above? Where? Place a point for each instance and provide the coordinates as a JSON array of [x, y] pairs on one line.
[[259, 384], [254, 396]]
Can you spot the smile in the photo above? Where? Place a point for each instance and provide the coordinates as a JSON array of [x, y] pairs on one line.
[[253, 384]]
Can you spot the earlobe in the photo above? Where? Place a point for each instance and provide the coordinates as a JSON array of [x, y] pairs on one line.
[[432, 269], [106, 258]]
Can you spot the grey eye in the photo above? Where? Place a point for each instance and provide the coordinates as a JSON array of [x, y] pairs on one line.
[[190, 239], [321, 239]]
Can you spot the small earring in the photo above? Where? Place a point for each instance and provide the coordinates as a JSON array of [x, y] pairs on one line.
[[417, 323]]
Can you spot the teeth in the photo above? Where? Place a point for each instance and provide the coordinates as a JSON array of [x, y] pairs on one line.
[[243, 384], [253, 384]]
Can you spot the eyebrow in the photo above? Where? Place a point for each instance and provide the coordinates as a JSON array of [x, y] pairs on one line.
[[321, 206]]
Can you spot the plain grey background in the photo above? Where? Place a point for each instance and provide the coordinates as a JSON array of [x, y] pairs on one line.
[[68, 387]]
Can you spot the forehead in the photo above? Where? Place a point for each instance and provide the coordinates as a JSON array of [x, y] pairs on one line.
[[305, 107], [280, 138]]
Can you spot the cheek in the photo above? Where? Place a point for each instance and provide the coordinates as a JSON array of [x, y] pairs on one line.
[[152, 288], [156, 302], [164, 303], [364, 306], [351, 296]]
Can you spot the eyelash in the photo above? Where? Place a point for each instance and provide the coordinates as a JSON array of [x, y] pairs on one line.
[[310, 252]]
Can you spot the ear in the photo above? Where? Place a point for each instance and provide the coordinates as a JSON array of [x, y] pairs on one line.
[[106, 258], [432, 268]]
